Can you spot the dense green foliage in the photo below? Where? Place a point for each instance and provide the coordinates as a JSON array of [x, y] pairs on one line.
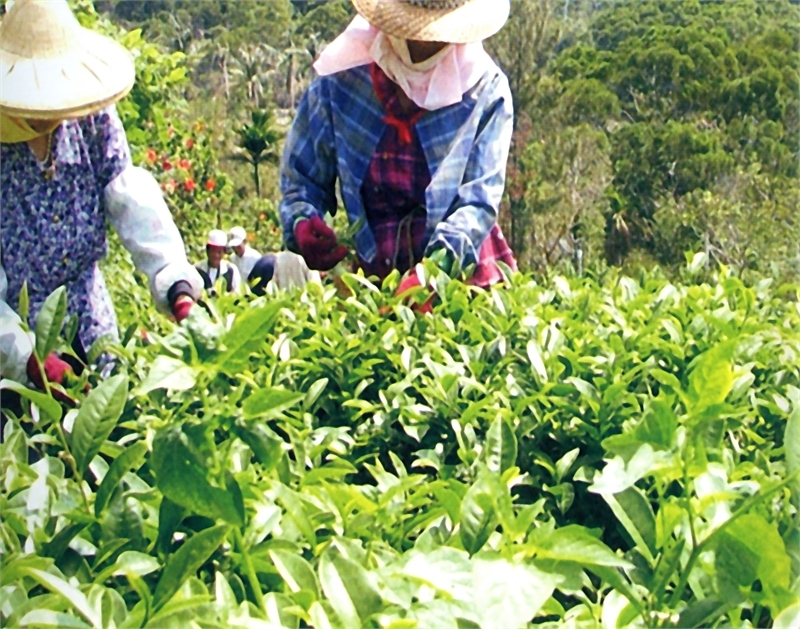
[[589, 451], [594, 449], [644, 129]]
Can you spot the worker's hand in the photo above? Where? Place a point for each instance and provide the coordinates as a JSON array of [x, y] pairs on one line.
[[409, 282], [55, 370], [180, 309], [318, 244]]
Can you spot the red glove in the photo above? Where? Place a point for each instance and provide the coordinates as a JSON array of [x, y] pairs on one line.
[[56, 371], [181, 308], [411, 280], [318, 244]]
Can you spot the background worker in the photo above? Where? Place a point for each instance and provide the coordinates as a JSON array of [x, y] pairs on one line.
[[215, 266], [244, 256]]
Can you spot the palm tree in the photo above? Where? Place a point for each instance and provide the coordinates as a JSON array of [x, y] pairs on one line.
[[258, 143], [254, 65]]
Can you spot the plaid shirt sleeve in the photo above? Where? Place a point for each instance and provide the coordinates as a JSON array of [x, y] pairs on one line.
[[473, 213], [308, 172]]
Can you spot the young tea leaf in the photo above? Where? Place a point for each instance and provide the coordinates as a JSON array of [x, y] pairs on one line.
[[186, 562], [49, 322], [47, 405], [73, 596], [296, 571], [96, 418], [248, 331], [130, 459], [181, 476], [501, 446], [348, 587], [270, 402]]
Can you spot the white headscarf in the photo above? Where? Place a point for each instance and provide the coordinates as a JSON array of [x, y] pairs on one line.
[[432, 84]]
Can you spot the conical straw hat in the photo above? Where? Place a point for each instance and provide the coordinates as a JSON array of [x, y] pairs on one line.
[[450, 21], [52, 67]]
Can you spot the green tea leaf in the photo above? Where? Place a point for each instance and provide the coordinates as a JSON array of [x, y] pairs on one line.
[[712, 377], [47, 405], [186, 562], [130, 459], [314, 391], [574, 543], [791, 439], [248, 331], [537, 362], [508, 594], [659, 426], [478, 520], [297, 512], [270, 402], [168, 373], [24, 303], [500, 447], [266, 445], [73, 596], [49, 322], [170, 516], [296, 571], [348, 587], [44, 619], [789, 618], [97, 417], [181, 477], [635, 513], [750, 548]]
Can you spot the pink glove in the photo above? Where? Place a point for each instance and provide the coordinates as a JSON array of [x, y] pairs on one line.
[[411, 280], [318, 244], [181, 308], [55, 370]]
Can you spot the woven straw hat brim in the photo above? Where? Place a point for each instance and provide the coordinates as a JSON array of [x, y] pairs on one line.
[[87, 73], [472, 22]]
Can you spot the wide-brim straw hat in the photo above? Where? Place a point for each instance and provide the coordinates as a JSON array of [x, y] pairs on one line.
[[450, 21], [52, 67]]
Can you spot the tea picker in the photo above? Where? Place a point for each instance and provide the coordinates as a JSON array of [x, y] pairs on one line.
[[66, 169], [414, 119]]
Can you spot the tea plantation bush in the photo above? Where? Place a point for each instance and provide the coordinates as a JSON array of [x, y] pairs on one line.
[[596, 452]]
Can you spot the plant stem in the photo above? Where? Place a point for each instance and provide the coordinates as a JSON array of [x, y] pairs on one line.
[[250, 573]]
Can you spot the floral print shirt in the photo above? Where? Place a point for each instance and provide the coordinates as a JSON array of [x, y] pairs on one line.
[[53, 228]]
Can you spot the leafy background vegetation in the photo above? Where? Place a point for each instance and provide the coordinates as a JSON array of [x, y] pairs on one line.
[[611, 440]]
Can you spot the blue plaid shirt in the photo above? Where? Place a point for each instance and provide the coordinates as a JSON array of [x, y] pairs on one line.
[[338, 126]]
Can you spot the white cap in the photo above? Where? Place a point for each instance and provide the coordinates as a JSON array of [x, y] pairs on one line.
[[236, 236], [217, 238]]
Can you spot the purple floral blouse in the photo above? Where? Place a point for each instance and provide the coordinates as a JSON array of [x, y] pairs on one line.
[[53, 227]]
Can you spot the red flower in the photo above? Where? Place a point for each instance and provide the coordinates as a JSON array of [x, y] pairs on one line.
[[190, 143], [185, 164], [189, 184], [166, 165], [151, 156], [210, 185]]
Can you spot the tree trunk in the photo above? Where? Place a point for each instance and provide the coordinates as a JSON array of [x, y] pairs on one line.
[[256, 179]]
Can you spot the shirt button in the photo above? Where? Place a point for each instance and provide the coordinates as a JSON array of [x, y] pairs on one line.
[[56, 219], [64, 260], [385, 156]]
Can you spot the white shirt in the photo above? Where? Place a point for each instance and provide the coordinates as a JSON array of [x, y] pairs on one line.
[[246, 263], [215, 274]]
